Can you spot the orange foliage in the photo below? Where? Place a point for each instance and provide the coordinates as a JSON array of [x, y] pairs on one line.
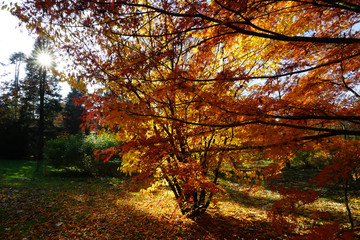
[[194, 87]]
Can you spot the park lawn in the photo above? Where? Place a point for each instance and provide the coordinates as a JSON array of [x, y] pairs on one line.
[[37, 207], [14, 170]]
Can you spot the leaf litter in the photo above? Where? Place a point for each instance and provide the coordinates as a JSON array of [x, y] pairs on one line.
[[109, 211]]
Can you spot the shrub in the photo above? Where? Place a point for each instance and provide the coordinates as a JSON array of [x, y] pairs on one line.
[[77, 152], [54, 152]]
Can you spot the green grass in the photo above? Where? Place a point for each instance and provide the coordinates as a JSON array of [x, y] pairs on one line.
[[18, 170], [22, 173]]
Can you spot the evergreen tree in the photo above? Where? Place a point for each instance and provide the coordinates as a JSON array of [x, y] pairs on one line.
[[16, 59], [12, 135], [13, 142], [20, 107], [41, 97], [72, 112]]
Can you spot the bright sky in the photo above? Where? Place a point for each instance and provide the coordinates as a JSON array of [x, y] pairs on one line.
[[16, 39]]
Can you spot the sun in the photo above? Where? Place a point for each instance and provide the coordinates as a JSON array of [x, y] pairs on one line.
[[44, 59]]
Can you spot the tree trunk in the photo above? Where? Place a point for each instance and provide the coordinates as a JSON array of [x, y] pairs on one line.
[[195, 204], [41, 120], [346, 186]]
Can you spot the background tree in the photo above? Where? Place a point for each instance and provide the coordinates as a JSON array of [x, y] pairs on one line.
[[266, 76], [20, 105], [47, 104], [12, 143], [73, 112], [17, 59]]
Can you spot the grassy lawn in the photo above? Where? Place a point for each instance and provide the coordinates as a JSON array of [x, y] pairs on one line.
[[37, 207], [15, 170]]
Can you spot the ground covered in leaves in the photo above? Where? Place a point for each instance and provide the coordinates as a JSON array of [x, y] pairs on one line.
[[80, 208]]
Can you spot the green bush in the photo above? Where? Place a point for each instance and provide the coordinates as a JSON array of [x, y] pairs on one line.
[[54, 152], [77, 152]]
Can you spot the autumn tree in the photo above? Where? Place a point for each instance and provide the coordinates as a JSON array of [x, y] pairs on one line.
[[194, 85]]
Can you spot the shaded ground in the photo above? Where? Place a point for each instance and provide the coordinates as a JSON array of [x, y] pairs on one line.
[[34, 207]]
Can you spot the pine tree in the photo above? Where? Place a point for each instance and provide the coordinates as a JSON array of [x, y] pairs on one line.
[[72, 112]]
